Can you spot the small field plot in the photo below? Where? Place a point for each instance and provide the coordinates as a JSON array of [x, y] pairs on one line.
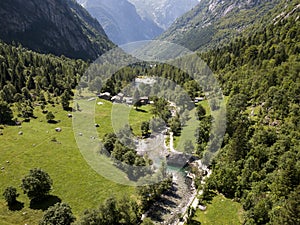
[[221, 211], [111, 117]]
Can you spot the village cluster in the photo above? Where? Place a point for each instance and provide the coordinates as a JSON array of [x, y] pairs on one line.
[[121, 98]]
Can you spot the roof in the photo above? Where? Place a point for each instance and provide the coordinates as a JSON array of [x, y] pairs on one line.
[[104, 94], [144, 98]]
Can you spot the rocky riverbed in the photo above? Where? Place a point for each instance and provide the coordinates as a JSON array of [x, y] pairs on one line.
[[172, 203]]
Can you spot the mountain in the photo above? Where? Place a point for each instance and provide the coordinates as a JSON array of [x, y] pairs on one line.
[[60, 27], [212, 22], [163, 12], [258, 164], [121, 21]]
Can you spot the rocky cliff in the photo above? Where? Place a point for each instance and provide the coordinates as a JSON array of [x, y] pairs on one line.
[[121, 21], [213, 22], [163, 12], [60, 27]]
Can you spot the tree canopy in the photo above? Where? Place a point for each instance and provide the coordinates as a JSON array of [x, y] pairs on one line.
[[59, 214], [37, 184]]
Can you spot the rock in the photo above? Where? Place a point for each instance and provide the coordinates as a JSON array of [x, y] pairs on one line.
[[202, 207], [20, 133], [53, 36]]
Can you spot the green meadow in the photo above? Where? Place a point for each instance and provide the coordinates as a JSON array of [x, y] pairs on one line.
[[111, 117], [74, 181], [189, 129], [221, 211]]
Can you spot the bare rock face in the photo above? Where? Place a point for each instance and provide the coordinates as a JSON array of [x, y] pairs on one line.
[[121, 21], [163, 12], [212, 22], [60, 27]]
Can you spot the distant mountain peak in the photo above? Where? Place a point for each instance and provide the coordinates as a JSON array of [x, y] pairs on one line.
[[121, 21], [163, 12], [214, 21]]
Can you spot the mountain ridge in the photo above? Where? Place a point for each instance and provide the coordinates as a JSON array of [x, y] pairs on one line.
[[60, 27], [163, 12], [121, 21], [212, 22]]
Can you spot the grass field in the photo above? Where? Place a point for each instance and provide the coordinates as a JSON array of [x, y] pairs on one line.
[[188, 131], [221, 211], [110, 118], [74, 182], [120, 114]]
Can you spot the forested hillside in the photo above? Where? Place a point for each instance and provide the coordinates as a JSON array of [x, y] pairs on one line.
[[60, 27], [212, 22], [259, 163], [26, 76]]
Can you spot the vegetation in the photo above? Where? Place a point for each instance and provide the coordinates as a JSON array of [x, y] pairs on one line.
[[27, 76], [37, 184], [59, 214], [50, 116], [10, 194], [6, 113], [113, 211], [122, 151], [220, 211], [145, 128], [151, 188], [60, 158], [79, 36], [135, 118], [259, 162], [211, 24]]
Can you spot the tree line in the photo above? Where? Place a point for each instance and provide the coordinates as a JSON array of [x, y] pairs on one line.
[[27, 77], [258, 164]]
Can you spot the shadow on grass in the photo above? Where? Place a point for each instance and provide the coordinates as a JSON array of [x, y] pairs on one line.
[[68, 109], [193, 222], [44, 203], [52, 121], [141, 110], [17, 206]]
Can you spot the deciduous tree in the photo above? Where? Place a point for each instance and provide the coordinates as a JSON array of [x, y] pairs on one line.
[[37, 184], [59, 214], [10, 195]]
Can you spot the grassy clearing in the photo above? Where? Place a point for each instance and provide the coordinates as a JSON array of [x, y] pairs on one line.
[[73, 179], [111, 118], [221, 211], [188, 131], [118, 115]]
